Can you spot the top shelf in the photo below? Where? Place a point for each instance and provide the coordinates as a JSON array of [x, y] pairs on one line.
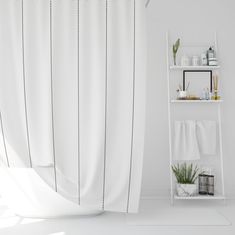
[[194, 67], [202, 45]]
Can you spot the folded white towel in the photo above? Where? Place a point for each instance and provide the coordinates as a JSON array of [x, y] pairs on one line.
[[206, 134], [185, 144]]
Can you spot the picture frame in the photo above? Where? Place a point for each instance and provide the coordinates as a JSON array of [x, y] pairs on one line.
[[198, 71]]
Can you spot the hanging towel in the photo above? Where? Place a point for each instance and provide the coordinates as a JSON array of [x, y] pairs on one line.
[[185, 144], [206, 134]]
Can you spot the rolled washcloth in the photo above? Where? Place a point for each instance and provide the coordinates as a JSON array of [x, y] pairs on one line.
[[186, 144], [206, 135]]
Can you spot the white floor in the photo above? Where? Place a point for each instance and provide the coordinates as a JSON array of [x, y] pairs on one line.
[[119, 224]]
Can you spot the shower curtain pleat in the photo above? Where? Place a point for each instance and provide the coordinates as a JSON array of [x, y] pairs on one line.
[[37, 79], [65, 102], [120, 102], [72, 96], [92, 100], [3, 150], [139, 108], [12, 87]]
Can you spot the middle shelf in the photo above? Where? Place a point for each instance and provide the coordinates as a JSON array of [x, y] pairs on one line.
[[200, 67], [196, 101]]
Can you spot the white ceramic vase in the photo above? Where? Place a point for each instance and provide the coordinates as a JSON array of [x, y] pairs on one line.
[[186, 190], [185, 60], [182, 94]]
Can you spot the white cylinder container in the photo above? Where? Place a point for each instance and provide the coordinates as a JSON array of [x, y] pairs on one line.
[[185, 60], [195, 60]]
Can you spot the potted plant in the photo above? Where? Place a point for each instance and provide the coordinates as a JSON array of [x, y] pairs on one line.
[[186, 176], [182, 94]]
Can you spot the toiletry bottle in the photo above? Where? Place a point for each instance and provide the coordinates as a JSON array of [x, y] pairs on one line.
[[211, 185], [202, 180], [207, 94], [204, 59], [210, 54]]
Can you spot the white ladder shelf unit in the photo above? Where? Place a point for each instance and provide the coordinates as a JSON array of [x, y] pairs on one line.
[[174, 102]]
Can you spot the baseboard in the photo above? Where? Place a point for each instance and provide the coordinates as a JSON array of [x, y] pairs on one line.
[[155, 197]]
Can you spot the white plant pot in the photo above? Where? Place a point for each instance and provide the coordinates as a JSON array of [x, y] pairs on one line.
[[182, 94], [186, 190]]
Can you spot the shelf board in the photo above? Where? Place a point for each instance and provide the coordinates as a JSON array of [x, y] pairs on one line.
[[192, 46], [196, 101], [194, 67], [201, 197]]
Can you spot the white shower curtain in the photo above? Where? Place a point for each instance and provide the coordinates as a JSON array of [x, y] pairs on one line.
[[72, 96]]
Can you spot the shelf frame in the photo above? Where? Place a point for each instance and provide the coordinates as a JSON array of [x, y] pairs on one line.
[[170, 69], [169, 121]]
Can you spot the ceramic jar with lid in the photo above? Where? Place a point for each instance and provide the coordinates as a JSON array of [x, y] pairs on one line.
[[185, 60]]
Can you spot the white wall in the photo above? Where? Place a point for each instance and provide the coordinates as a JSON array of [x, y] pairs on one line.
[[191, 19]]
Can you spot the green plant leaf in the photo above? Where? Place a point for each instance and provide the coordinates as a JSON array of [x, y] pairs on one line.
[[185, 174], [176, 46]]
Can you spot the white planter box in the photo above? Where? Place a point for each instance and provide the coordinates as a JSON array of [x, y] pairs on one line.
[[186, 190], [182, 94]]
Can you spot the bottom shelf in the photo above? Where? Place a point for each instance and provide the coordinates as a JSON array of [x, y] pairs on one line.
[[201, 197]]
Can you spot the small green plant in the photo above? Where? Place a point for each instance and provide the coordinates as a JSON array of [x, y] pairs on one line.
[[175, 49], [185, 174]]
